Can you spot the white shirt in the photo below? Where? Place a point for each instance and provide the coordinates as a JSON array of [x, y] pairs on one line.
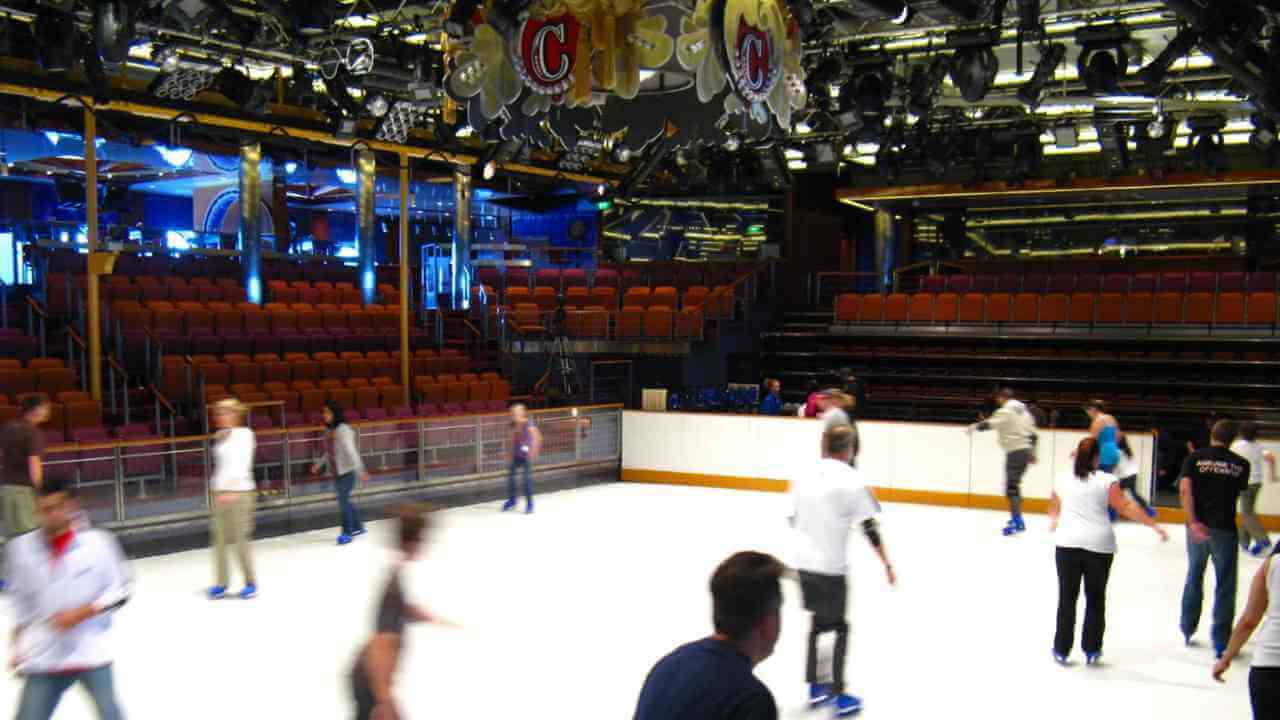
[[1127, 467], [1252, 452], [833, 417], [1266, 652], [1014, 425], [828, 501], [1084, 522], [93, 570], [233, 462]]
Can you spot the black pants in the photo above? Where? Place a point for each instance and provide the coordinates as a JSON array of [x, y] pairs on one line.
[[1094, 568], [826, 596], [1264, 692], [361, 693], [1131, 484], [1015, 466]]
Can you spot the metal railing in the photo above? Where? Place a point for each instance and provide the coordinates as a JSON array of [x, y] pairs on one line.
[[687, 325], [160, 480], [825, 286], [36, 313]]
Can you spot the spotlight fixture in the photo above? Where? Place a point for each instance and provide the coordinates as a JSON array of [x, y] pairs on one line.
[[167, 58], [732, 143], [378, 106], [1160, 127], [112, 31], [648, 165], [1051, 56], [622, 153], [182, 84], [55, 38], [249, 95], [1103, 61], [973, 70], [897, 11], [1153, 74], [494, 155], [773, 166], [400, 119], [848, 116], [925, 86], [344, 127], [821, 156]]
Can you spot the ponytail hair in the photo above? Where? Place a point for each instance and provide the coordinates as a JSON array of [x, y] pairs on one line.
[[1124, 445], [1086, 455]]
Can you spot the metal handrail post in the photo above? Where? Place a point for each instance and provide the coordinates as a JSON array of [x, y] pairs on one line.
[[422, 451], [119, 467]]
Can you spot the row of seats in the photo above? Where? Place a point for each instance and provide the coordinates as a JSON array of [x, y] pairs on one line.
[[687, 276], [1177, 282], [306, 397], [70, 410], [208, 343], [461, 388], [628, 323], [1142, 308], [49, 376], [251, 319], [721, 298], [303, 291]]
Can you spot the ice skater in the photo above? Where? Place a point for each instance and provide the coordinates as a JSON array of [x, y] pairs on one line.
[[1127, 470], [1086, 546], [1264, 673], [234, 495], [1015, 428], [712, 677], [526, 445], [1212, 480], [67, 582], [1253, 538], [342, 459], [373, 677], [1106, 430], [827, 502]]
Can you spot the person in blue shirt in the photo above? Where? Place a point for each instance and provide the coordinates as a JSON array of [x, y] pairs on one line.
[[772, 402], [711, 679]]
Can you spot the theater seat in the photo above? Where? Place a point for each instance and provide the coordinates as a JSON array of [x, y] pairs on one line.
[[1110, 308], [1168, 307], [1229, 309], [896, 308], [848, 307], [872, 309], [1199, 306], [1053, 308], [1139, 308], [921, 308], [1262, 308], [1082, 307], [972, 308], [946, 308], [999, 307]]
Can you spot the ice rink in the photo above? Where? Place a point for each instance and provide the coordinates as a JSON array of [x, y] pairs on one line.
[[564, 612]]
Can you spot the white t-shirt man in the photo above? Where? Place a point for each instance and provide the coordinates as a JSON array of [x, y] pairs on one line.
[[1252, 452], [827, 502]]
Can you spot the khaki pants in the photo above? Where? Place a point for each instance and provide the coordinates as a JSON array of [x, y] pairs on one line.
[[19, 504], [233, 523]]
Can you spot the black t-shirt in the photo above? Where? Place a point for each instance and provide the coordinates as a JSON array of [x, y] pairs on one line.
[[705, 680], [391, 618], [19, 442], [1218, 476]]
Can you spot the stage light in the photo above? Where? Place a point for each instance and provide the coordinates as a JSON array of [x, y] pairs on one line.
[[1103, 61], [1051, 56], [346, 176], [732, 143], [112, 31], [290, 167], [55, 40], [1160, 127], [167, 58], [378, 106], [773, 166], [925, 85], [1263, 137], [821, 156], [658, 150], [495, 154], [250, 96], [622, 153], [896, 11], [973, 71], [344, 127], [601, 189], [176, 157], [1208, 149], [1153, 74]]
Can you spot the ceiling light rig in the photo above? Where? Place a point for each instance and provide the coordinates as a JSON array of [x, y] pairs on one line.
[[974, 65], [1103, 60], [1051, 56]]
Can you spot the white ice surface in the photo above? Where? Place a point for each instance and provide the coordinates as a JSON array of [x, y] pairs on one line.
[[565, 611]]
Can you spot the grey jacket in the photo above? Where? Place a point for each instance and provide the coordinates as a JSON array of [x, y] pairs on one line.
[[346, 452]]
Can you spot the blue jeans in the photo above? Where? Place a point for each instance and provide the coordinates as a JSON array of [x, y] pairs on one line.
[[350, 516], [1221, 546], [528, 479], [41, 694]]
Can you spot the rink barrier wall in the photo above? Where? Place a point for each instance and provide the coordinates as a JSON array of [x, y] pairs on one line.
[[925, 463], [146, 483]]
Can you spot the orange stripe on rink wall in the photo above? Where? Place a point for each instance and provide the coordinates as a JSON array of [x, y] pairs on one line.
[[1173, 516]]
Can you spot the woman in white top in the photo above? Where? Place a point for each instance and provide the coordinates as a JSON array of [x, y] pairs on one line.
[[1264, 675], [342, 459], [1253, 537], [1086, 546], [234, 494]]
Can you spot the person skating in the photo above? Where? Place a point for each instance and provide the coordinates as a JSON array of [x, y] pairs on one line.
[[22, 468], [827, 503], [67, 581], [342, 459], [1086, 546], [1253, 538], [1015, 428], [234, 496], [1212, 480], [1264, 671], [526, 446]]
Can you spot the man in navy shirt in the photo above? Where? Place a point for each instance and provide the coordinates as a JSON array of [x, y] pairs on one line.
[[711, 679], [772, 402]]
